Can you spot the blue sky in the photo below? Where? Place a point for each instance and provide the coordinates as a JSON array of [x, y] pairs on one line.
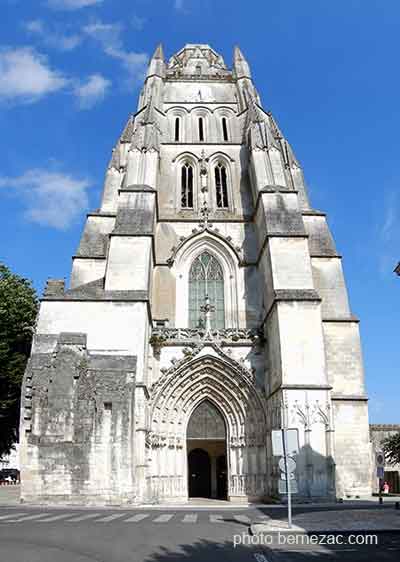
[[70, 72]]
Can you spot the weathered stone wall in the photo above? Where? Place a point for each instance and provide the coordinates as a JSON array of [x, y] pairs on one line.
[[77, 425]]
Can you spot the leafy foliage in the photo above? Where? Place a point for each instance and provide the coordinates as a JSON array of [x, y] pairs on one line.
[[18, 310], [391, 448]]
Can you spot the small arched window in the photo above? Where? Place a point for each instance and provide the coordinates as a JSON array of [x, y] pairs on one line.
[[177, 127], [206, 278], [187, 186], [221, 186], [224, 129], [201, 129]]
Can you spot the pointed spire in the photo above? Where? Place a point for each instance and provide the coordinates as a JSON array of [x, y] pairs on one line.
[[157, 63], [158, 53], [240, 64], [237, 54]]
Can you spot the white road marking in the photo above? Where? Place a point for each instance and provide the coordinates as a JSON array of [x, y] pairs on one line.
[[163, 518], [56, 517], [11, 515], [110, 517], [190, 518], [216, 519], [83, 517], [29, 517], [242, 518], [136, 518]]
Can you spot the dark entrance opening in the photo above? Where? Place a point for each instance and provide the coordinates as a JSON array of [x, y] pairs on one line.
[[222, 478], [206, 447], [199, 474]]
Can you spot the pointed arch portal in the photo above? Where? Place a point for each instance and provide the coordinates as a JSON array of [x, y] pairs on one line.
[[202, 401], [206, 449]]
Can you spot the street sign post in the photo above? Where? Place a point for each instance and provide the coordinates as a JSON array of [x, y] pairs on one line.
[[380, 471], [287, 471], [292, 435], [285, 443]]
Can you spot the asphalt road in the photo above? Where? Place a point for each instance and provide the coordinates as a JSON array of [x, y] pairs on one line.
[[139, 535]]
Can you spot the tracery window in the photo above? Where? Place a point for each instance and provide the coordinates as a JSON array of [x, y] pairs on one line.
[[201, 129], [206, 278], [224, 129], [187, 186], [221, 186]]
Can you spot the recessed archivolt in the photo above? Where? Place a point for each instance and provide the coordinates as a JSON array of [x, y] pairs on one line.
[[176, 395], [214, 238]]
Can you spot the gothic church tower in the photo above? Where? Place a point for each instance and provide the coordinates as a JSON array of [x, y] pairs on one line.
[[207, 306]]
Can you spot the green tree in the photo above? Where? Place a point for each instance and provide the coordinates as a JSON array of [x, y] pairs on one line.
[[391, 448], [18, 310]]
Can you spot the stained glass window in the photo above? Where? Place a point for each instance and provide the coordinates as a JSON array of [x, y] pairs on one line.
[[187, 186], [221, 186], [206, 278]]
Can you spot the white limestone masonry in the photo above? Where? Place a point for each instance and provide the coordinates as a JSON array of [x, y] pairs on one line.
[[203, 194]]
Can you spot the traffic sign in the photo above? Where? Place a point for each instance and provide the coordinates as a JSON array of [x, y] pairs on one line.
[[380, 459], [291, 464], [380, 472], [283, 489], [291, 476], [292, 442]]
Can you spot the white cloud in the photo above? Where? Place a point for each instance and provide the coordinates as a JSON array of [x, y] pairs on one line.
[[391, 215], [25, 76], [52, 199], [178, 4], [51, 38], [72, 4], [109, 36], [389, 233], [92, 91], [137, 22], [34, 26]]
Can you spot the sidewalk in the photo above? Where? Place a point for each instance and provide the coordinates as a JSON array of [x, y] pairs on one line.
[[9, 495], [334, 520]]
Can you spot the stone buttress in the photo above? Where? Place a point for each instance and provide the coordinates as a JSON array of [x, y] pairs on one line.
[[203, 195]]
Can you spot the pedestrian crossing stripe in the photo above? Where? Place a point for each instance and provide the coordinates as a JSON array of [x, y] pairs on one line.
[[163, 518], [83, 517], [136, 518], [110, 517], [120, 516], [56, 517], [12, 515]]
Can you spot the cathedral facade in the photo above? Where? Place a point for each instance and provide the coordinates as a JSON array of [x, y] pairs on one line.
[[206, 307]]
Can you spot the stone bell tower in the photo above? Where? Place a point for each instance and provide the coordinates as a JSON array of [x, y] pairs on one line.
[[206, 307]]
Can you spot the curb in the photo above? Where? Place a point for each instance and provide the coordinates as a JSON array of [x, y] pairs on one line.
[[300, 530]]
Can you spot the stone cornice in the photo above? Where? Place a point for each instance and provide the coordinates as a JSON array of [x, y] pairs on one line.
[[384, 426], [192, 336], [292, 295], [350, 397], [107, 296], [299, 387], [349, 319]]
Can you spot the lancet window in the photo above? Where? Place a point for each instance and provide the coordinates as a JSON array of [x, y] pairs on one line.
[[201, 129], [177, 127], [221, 186], [224, 129], [187, 186], [206, 278]]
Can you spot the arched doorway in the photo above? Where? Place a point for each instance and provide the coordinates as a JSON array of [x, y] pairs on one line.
[[206, 448]]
